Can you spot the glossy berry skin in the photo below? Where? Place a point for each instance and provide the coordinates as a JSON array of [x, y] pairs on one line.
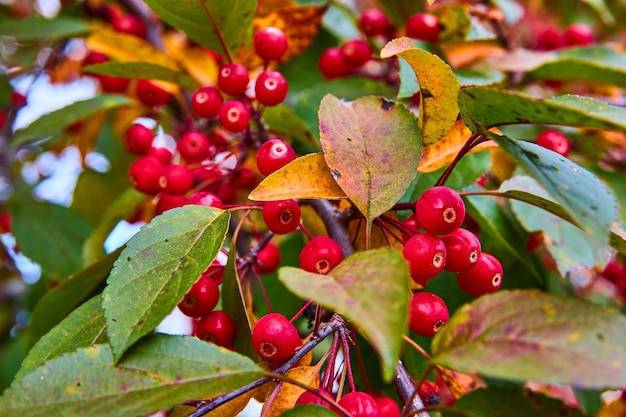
[[206, 102], [275, 338], [131, 25], [162, 154], [273, 155], [168, 202], [320, 255], [204, 198], [270, 43], [111, 84], [423, 26], [427, 313], [271, 88], [549, 40], [234, 116], [176, 179], [216, 327], [440, 210], [462, 250], [145, 174], [3, 119], [355, 52], [411, 224], [281, 217], [195, 146], [308, 397], [151, 94], [555, 141], [359, 404], [332, 65], [268, 259], [233, 79], [201, 298], [138, 139], [578, 34], [483, 278], [426, 256], [374, 22], [387, 407]]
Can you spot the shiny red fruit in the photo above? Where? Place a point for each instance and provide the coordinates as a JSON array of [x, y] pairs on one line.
[[359, 404], [233, 79], [332, 65], [204, 198], [387, 407], [206, 102], [462, 250], [145, 174], [168, 202], [374, 22], [234, 116], [484, 277], [549, 40], [273, 155], [426, 256], [579, 34], [131, 25], [440, 210], [270, 43], [162, 154], [428, 313], [138, 139], [271, 88], [268, 259], [355, 52], [555, 141], [151, 94], [216, 327], [275, 338], [424, 27], [307, 397], [281, 217], [320, 255], [201, 298], [176, 179], [195, 146]]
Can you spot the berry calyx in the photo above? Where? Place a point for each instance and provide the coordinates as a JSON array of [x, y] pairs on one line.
[[374, 22], [271, 88], [233, 79], [426, 256], [195, 146], [440, 210], [273, 155], [320, 255], [332, 65], [429, 393], [270, 43], [275, 338], [355, 52], [176, 179], [281, 217], [138, 139], [555, 141], [462, 250], [145, 174], [216, 327], [201, 298], [423, 26], [234, 116], [206, 102], [151, 94], [428, 313], [359, 404], [267, 259], [484, 277]]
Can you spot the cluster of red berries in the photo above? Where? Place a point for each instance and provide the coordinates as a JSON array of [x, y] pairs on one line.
[[577, 34], [444, 245], [357, 403]]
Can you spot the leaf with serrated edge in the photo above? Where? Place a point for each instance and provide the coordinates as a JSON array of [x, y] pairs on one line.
[[372, 147], [355, 289], [530, 335], [439, 87], [157, 268], [285, 394], [160, 371], [305, 177]]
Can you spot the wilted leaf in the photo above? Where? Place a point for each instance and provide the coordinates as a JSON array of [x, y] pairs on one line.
[[38, 28], [305, 177], [142, 70], [157, 267], [285, 395], [438, 85], [531, 335], [355, 289]]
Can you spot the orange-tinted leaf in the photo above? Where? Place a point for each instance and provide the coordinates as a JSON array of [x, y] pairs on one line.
[[230, 409], [459, 384], [305, 177], [286, 394], [438, 85], [196, 60], [440, 154], [502, 165], [466, 53], [616, 408], [265, 7]]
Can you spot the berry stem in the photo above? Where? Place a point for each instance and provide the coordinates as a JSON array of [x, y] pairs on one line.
[[217, 30], [304, 307], [346, 358], [473, 140], [416, 347], [266, 298], [359, 360], [327, 383]]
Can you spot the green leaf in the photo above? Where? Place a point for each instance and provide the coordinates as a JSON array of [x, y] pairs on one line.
[[355, 288], [84, 327], [530, 335], [509, 402], [158, 373], [206, 21], [55, 122], [486, 107], [372, 147], [37, 28], [58, 302], [469, 77], [157, 267], [50, 235], [309, 411], [581, 193], [142, 70], [284, 120]]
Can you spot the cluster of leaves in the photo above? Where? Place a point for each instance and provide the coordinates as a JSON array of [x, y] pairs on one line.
[[89, 346]]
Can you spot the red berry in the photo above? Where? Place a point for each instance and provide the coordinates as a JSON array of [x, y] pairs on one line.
[[440, 210], [138, 139], [218, 139], [204, 198], [216, 327], [484, 277], [423, 26], [268, 259], [111, 84], [275, 338], [6, 222], [320, 255], [206, 102], [359, 404], [387, 407], [151, 94], [195, 146], [273, 155], [332, 65], [234, 116], [201, 298], [176, 179], [215, 271], [462, 250], [168, 202], [549, 40], [411, 224], [281, 217], [270, 43], [355, 52], [17, 99], [162, 154], [271, 88], [245, 178], [145, 174], [555, 141], [131, 25], [233, 79], [426, 256], [428, 313], [578, 34], [374, 22], [3, 119], [307, 397], [429, 393]]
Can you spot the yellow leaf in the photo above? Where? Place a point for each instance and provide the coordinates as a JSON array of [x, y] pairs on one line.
[[305, 177], [285, 395], [440, 154], [438, 84], [502, 165], [459, 384], [616, 408], [230, 409], [196, 60]]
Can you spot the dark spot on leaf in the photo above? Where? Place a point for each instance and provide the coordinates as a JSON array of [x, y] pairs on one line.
[[600, 337], [426, 93], [594, 208], [140, 322], [336, 174], [78, 384], [386, 104], [166, 240], [128, 259], [349, 139], [114, 320]]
